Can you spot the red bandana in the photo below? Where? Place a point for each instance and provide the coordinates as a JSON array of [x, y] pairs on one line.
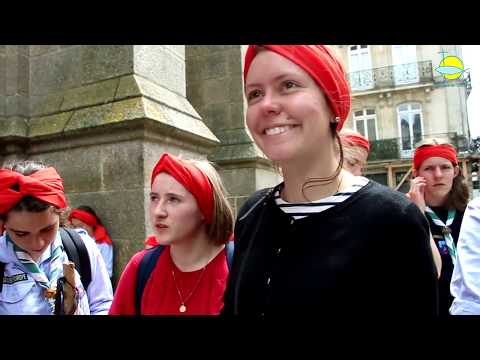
[[322, 65], [356, 140], [151, 240], [192, 178], [45, 185], [424, 152], [100, 233]]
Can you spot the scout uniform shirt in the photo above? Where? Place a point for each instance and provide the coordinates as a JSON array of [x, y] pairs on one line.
[[22, 295]]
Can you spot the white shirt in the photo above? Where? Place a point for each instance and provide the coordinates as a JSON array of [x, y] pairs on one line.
[[22, 295], [107, 254], [465, 284], [302, 210]]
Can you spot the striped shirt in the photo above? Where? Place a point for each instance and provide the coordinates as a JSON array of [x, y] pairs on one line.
[[301, 210]]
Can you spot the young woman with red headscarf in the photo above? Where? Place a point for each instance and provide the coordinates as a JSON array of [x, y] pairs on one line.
[[191, 217], [32, 200], [84, 217], [323, 241], [356, 148], [439, 190]]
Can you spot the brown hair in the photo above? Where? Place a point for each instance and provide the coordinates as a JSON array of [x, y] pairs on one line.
[[221, 227], [458, 195]]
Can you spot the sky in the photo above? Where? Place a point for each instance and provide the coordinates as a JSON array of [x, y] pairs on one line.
[[471, 61]]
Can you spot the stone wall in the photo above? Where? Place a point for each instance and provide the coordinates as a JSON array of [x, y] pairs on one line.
[[102, 115]]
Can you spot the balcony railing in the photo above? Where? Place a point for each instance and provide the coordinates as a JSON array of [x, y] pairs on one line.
[[391, 76], [396, 148]]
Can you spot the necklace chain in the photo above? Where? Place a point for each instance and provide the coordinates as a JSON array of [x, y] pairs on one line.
[[183, 306]]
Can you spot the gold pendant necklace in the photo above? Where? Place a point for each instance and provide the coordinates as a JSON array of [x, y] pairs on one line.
[[183, 306]]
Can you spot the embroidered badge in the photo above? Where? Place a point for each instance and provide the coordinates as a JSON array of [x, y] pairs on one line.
[[15, 278], [442, 247]]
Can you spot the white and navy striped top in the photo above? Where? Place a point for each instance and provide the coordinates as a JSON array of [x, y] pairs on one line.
[[301, 210]]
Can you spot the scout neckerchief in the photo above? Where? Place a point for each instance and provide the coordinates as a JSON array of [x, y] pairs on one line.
[[447, 233], [48, 282]]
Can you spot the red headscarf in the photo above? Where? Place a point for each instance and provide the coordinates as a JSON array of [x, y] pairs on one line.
[[422, 153], [322, 65], [100, 233], [357, 140], [45, 185], [192, 178]]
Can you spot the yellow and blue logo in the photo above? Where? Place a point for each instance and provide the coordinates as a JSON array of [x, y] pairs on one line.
[[451, 67]]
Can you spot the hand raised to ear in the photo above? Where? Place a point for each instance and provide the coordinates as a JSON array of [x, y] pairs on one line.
[[417, 192]]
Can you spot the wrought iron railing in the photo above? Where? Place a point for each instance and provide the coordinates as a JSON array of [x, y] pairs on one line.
[[396, 148], [391, 76]]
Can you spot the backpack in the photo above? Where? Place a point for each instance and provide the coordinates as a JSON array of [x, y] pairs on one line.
[[149, 261], [76, 251]]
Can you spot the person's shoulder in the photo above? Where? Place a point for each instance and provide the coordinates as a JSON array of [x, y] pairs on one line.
[[385, 199], [382, 191], [252, 202], [89, 242], [138, 256]]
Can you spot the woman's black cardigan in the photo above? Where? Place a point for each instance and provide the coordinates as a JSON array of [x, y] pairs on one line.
[[367, 256]]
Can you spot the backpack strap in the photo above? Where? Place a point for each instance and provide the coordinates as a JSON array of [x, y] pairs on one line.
[[145, 268], [229, 248], [78, 253], [2, 270]]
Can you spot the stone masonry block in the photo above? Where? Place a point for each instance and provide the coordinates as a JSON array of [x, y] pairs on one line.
[[45, 104], [47, 125], [94, 94], [165, 96], [239, 181], [122, 166], [89, 117], [16, 105], [13, 126], [37, 50], [157, 64], [215, 91], [127, 87], [101, 62], [57, 71], [3, 73]]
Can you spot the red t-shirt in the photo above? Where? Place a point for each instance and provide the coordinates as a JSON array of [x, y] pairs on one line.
[[160, 296]]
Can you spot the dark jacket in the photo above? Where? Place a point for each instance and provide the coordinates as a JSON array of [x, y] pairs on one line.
[[444, 296], [368, 256]]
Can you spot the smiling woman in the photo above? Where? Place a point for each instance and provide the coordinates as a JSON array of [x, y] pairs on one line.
[[324, 240]]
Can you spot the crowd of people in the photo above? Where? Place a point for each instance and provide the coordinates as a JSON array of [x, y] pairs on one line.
[[324, 240]]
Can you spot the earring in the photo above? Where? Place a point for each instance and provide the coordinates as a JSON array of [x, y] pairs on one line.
[[336, 120]]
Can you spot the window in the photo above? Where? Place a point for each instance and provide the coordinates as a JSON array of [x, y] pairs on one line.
[[405, 67], [365, 122], [410, 127], [361, 74]]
